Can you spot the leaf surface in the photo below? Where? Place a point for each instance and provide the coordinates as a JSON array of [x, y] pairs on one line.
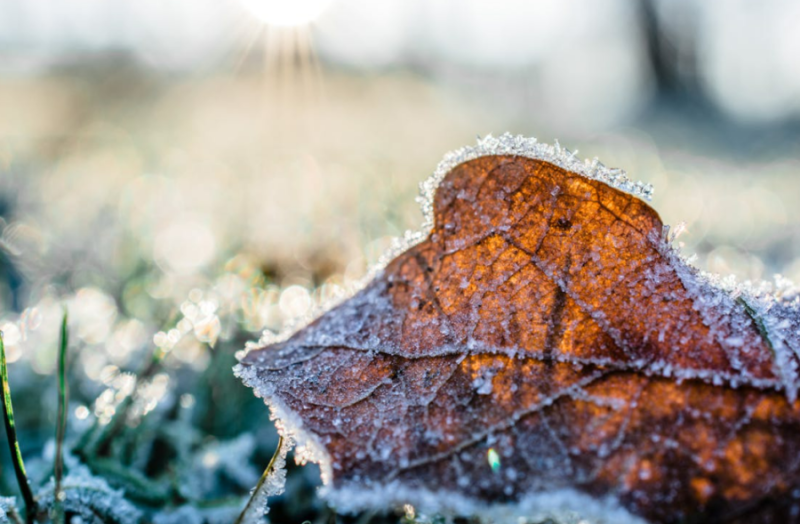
[[546, 338]]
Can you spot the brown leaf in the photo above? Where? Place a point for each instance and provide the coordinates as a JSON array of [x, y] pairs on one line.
[[545, 344]]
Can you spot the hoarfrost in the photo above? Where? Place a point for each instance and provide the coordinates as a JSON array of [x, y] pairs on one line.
[[563, 506], [90, 498], [273, 485], [289, 425], [528, 147]]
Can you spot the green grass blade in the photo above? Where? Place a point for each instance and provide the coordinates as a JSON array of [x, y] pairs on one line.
[[13, 443], [246, 511], [61, 425]]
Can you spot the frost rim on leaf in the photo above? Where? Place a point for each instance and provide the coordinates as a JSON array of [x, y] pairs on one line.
[[528, 147], [306, 445], [561, 506], [515, 145]]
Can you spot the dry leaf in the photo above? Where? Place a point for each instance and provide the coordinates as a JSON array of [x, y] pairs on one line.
[[546, 349]]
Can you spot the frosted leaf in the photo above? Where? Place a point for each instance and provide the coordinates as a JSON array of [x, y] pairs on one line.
[[90, 498], [545, 315]]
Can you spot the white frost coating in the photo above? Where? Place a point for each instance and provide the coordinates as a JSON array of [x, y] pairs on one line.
[[89, 497], [777, 308], [289, 425], [528, 147], [508, 144], [563, 506], [773, 306], [273, 485]]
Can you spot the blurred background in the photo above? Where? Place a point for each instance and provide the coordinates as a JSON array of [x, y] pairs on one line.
[[186, 174]]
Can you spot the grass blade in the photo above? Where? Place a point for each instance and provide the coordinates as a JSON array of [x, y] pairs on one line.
[[61, 425], [13, 443], [246, 511]]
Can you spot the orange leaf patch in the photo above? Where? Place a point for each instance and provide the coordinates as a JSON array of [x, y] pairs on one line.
[[546, 346]]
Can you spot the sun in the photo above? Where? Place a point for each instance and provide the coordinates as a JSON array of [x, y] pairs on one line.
[[286, 13]]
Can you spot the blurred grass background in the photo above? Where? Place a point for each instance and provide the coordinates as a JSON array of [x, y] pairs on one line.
[[186, 175]]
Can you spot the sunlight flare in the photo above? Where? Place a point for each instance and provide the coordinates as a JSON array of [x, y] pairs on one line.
[[286, 14]]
